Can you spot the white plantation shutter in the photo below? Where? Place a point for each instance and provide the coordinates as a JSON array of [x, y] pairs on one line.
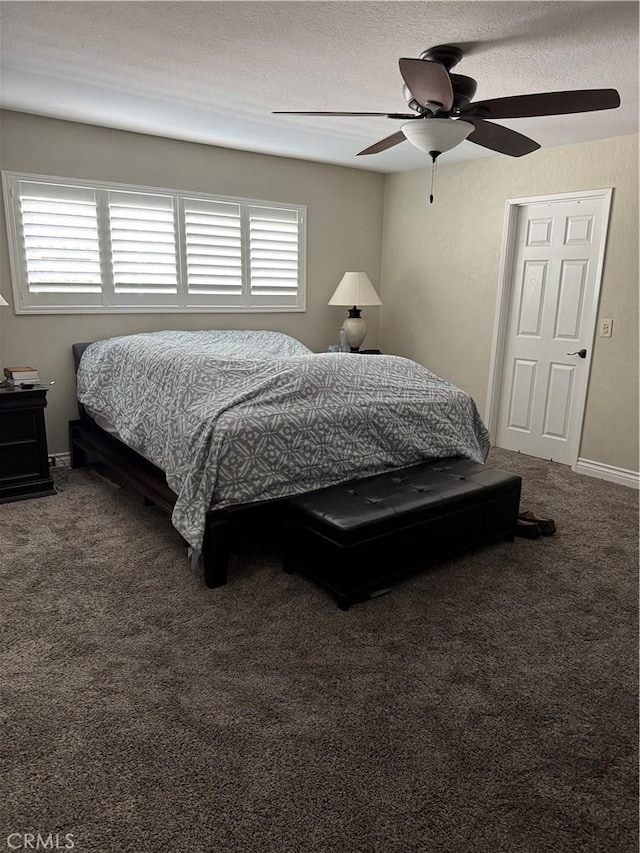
[[143, 246], [61, 253], [89, 248], [274, 255], [213, 245]]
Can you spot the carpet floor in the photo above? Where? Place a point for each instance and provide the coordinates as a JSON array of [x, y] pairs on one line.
[[488, 704]]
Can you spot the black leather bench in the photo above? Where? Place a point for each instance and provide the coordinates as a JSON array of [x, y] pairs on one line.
[[356, 538]]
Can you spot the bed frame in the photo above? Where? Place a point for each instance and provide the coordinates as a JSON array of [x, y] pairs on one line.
[[91, 445]]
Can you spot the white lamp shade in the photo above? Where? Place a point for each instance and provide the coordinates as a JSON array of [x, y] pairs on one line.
[[3, 301], [355, 289], [436, 134]]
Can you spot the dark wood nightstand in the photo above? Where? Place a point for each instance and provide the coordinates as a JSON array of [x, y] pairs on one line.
[[24, 457]]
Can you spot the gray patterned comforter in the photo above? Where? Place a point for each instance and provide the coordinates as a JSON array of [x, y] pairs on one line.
[[235, 417]]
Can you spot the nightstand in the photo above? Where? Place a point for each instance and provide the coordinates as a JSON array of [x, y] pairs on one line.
[[24, 457]]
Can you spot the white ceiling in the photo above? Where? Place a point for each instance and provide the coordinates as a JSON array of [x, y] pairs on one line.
[[212, 71]]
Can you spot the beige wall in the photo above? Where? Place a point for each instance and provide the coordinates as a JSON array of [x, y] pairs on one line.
[[440, 266], [344, 230], [439, 262]]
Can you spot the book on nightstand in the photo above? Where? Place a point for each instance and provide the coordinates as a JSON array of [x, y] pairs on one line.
[[22, 375]]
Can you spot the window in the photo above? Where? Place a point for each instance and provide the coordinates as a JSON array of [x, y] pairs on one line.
[[81, 247]]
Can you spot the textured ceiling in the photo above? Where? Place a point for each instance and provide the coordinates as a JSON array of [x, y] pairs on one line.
[[212, 72]]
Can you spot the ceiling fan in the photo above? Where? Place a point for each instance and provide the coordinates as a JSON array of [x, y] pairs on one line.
[[444, 115]]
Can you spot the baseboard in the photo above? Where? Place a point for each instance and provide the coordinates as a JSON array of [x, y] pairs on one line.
[[62, 460], [622, 476]]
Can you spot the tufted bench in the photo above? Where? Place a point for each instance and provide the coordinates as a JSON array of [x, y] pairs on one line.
[[358, 537]]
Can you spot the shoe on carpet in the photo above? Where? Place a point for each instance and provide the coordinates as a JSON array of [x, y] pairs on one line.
[[527, 528], [547, 525]]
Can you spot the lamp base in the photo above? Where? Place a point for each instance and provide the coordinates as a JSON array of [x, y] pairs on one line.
[[356, 330]]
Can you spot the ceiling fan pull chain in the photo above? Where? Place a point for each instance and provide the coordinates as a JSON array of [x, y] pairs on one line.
[[434, 166]]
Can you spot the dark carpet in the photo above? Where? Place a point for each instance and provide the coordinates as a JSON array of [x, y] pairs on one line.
[[489, 704]]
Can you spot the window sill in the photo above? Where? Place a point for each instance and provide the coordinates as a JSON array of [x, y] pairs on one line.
[[161, 309]]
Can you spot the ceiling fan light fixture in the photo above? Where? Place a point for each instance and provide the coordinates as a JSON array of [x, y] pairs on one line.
[[437, 134]]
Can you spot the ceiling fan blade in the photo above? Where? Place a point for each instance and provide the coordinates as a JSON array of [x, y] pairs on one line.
[[388, 142], [545, 104], [316, 113], [499, 138], [428, 82]]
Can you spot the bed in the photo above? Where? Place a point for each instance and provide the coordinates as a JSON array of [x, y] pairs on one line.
[[212, 424]]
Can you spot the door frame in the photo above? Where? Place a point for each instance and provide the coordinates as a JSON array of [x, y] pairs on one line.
[[503, 299]]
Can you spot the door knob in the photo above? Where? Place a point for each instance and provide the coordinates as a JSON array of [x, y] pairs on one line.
[[581, 352]]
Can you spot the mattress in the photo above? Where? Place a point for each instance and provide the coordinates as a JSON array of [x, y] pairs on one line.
[[238, 417]]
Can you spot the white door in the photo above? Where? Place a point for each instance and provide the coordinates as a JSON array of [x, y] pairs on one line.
[[553, 300]]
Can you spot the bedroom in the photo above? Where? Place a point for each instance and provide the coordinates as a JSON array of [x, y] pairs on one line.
[[436, 267]]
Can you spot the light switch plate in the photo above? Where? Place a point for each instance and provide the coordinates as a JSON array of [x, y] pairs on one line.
[[606, 328]]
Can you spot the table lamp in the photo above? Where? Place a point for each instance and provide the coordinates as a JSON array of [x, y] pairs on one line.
[[355, 289]]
